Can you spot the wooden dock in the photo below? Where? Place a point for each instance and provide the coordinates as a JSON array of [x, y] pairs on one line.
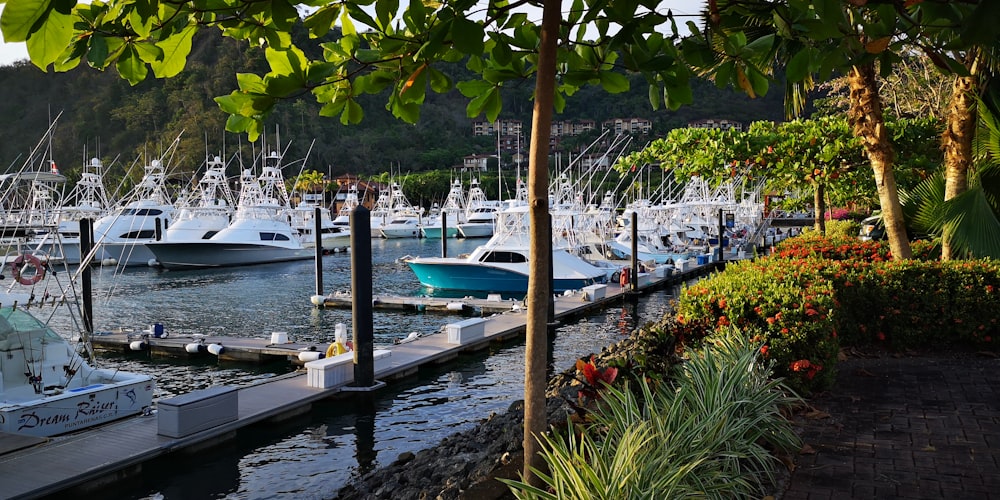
[[96, 457], [465, 305]]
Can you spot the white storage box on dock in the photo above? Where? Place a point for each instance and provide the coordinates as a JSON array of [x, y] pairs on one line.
[[197, 410], [662, 272], [381, 357], [595, 292], [644, 280], [466, 330], [331, 372], [683, 265]]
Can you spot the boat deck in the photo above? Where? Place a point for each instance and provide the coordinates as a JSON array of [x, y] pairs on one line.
[[95, 457]]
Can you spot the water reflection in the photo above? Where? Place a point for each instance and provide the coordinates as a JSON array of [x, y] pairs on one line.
[[316, 453]]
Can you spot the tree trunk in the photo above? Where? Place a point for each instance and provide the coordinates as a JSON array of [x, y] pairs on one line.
[[957, 143], [536, 334], [819, 207], [865, 116]]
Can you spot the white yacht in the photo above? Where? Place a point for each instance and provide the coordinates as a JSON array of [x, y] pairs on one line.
[[260, 233], [122, 234]]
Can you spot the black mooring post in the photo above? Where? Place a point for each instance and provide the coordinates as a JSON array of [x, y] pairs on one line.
[[634, 278], [318, 231], [361, 297], [86, 244], [721, 232], [444, 233]]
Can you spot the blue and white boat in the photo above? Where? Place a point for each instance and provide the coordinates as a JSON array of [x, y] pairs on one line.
[[501, 264], [453, 210]]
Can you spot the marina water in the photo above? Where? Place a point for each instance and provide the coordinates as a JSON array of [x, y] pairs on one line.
[[315, 454]]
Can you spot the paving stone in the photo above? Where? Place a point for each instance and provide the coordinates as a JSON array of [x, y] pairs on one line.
[[908, 428]]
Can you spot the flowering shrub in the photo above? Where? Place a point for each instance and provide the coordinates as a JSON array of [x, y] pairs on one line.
[[814, 294], [784, 304]]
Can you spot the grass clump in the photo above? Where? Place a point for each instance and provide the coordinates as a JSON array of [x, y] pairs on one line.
[[713, 430]]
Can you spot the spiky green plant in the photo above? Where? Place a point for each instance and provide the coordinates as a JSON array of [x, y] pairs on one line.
[[712, 433]]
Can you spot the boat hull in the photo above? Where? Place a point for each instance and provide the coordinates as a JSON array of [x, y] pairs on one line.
[[125, 254], [479, 278], [476, 230], [389, 232], [435, 232], [78, 408], [217, 254]]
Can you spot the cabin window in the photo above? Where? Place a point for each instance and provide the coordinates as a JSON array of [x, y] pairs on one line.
[[142, 212], [208, 235], [504, 257], [273, 237], [131, 235]]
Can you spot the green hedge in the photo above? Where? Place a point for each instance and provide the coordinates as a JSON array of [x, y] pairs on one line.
[[815, 294]]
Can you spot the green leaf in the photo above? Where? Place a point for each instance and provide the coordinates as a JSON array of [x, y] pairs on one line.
[[474, 88], [494, 103], [558, 102], [757, 80], [479, 101], [19, 16], [614, 83], [175, 52], [353, 113], [408, 112], [141, 24], [148, 52], [360, 14], [283, 14], [48, 43], [502, 53], [385, 12], [468, 36], [760, 47], [440, 82], [333, 108], [346, 25], [130, 66], [320, 21], [655, 96], [250, 83], [286, 62], [98, 51], [282, 86], [798, 66]]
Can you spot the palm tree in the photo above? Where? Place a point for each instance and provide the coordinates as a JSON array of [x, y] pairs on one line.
[[970, 219]]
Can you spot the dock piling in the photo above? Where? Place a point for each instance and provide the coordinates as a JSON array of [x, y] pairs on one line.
[[318, 231], [86, 289], [361, 293], [444, 234]]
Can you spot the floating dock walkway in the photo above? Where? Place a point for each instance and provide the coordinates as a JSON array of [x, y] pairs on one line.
[[97, 457]]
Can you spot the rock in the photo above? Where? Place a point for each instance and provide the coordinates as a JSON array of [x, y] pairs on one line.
[[472, 459]]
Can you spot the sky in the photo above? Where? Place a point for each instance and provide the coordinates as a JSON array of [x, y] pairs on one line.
[[11, 52]]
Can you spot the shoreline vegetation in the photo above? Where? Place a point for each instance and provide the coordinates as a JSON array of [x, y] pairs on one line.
[[782, 322]]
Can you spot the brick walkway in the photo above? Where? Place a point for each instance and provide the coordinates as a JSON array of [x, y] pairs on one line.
[[904, 428]]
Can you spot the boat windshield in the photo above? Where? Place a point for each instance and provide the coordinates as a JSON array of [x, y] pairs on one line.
[[15, 323]]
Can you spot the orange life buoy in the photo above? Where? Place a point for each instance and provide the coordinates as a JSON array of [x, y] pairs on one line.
[[31, 260]]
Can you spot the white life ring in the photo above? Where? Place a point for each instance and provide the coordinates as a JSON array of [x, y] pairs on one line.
[[31, 260]]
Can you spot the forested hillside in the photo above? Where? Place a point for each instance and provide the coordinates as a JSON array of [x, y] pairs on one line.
[[103, 116]]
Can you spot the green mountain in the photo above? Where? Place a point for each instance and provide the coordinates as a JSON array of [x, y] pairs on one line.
[[103, 116]]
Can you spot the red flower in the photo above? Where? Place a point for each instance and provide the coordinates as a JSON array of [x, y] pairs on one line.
[[763, 350], [800, 365]]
